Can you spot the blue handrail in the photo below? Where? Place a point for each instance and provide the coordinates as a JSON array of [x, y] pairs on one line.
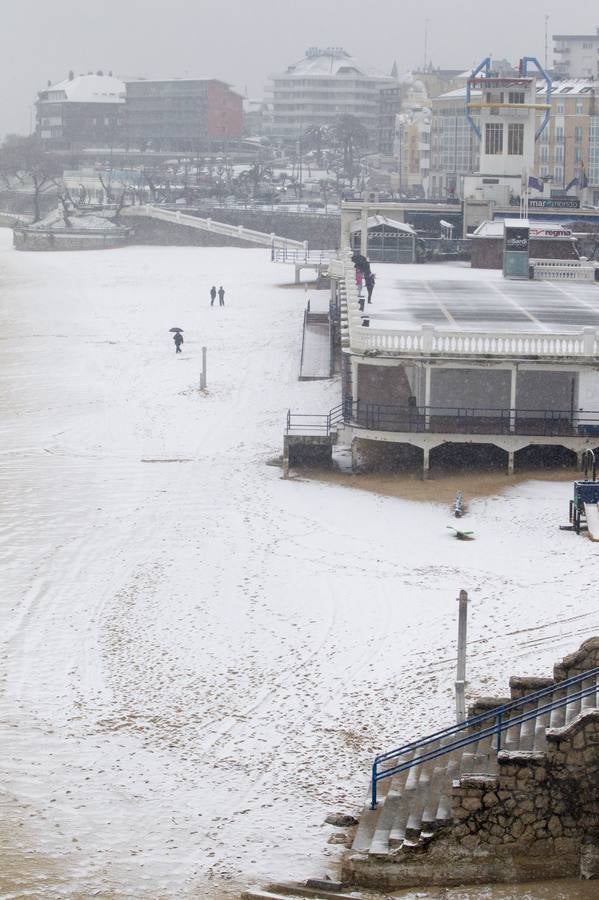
[[502, 722]]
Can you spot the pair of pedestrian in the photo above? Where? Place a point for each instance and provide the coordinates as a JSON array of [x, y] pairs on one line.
[[221, 295]]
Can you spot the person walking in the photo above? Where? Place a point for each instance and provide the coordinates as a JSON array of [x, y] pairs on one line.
[[178, 339], [369, 280], [221, 296], [212, 295]]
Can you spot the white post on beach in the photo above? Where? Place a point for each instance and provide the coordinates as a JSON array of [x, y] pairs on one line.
[[460, 684], [203, 373]]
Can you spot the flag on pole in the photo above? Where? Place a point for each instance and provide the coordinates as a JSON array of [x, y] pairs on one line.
[[571, 184], [534, 182]]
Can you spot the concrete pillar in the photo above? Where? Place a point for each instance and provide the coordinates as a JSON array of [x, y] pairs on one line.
[[346, 219], [364, 232], [354, 377], [427, 396], [510, 462], [297, 274], [425, 463], [513, 384], [354, 455], [285, 457]]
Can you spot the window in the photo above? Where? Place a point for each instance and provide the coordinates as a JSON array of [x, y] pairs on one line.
[[577, 155], [559, 134], [558, 174], [493, 138], [578, 134], [559, 154], [516, 96], [544, 154], [579, 108], [515, 139]]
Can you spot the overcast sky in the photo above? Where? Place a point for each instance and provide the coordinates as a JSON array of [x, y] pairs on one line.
[[244, 41]]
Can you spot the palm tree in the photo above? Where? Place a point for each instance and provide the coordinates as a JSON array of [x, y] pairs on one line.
[[317, 136], [351, 137]]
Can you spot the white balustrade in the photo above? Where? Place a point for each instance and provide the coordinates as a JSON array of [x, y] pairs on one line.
[[563, 270], [449, 342], [470, 343]]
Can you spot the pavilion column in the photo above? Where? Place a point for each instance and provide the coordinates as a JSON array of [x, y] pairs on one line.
[[510, 462], [364, 232], [427, 396], [425, 463], [513, 384], [354, 455]]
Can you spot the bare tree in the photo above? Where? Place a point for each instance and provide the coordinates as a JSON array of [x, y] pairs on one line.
[[26, 159]]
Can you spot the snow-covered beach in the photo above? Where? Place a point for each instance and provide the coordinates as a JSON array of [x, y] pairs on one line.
[[199, 658]]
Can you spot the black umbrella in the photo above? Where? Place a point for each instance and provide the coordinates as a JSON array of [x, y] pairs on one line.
[[175, 329]]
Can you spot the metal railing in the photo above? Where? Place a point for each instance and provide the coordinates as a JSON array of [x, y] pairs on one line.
[[463, 735], [303, 256], [450, 420], [315, 423]]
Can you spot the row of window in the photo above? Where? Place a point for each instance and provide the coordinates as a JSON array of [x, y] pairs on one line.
[[494, 138]]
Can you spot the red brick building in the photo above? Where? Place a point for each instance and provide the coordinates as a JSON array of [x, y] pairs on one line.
[[181, 114]]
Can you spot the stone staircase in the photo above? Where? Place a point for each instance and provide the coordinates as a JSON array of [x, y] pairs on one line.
[[476, 815], [476, 800]]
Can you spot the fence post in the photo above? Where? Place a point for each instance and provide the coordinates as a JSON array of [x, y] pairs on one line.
[[203, 373], [373, 796], [460, 684]]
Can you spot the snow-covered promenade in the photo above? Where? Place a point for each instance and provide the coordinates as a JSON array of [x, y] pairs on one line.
[[198, 658]]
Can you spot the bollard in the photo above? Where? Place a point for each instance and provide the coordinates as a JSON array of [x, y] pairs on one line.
[[203, 372], [460, 684]]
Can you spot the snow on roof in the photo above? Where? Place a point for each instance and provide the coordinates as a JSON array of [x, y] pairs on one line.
[[90, 89], [333, 61], [378, 221], [494, 229], [573, 86]]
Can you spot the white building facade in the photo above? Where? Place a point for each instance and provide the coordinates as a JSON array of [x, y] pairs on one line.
[[576, 55], [323, 86]]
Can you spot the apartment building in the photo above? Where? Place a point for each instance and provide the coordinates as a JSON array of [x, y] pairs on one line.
[[321, 87], [454, 148], [182, 114], [81, 111], [576, 55], [565, 145]]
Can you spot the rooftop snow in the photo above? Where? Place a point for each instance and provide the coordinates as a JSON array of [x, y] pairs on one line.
[[456, 296], [90, 89]]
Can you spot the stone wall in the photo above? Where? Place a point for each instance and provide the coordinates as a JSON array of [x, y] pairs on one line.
[[540, 810], [47, 240], [321, 232], [165, 234]]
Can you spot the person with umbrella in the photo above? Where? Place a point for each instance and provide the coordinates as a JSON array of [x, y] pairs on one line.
[[178, 338]]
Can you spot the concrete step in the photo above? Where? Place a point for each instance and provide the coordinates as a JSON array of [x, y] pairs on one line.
[[414, 804], [314, 888], [284, 891]]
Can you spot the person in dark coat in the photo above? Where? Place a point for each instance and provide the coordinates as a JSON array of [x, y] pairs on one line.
[[178, 339], [369, 282], [212, 295], [221, 296]]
